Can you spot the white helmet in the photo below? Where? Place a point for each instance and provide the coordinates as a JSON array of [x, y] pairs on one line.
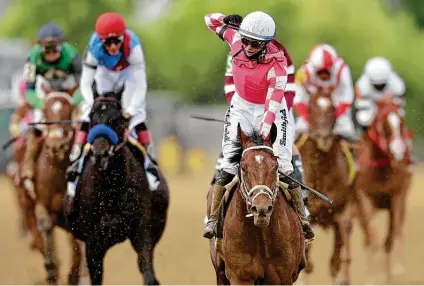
[[259, 26], [378, 70], [322, 57]]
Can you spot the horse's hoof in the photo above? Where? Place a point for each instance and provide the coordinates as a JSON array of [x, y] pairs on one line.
[[84, 281], [341, 281], [52, 281]]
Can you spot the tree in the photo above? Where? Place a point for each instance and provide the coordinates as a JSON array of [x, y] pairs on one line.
[[24, 17]]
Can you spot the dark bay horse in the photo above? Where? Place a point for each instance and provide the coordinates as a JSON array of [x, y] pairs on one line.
[[383, 182], [329, 168], [43, 199], [267, 248], [113, 201]]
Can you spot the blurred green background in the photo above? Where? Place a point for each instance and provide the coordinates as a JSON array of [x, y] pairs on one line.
[[184, 57]]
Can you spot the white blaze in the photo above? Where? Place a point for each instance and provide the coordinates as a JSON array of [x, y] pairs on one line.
[[397, 145]]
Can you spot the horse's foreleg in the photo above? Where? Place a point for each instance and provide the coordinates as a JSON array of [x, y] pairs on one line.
[[79, 271], [366, 211], [343, 227], [95, 255], [143, 245], [394, 240], [45, 225], [304, 276]]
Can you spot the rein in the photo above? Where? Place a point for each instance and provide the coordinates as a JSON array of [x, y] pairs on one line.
[[265, 190]]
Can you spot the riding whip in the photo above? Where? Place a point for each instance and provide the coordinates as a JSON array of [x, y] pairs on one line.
[[54, 122], [316, 193], [205, 118]]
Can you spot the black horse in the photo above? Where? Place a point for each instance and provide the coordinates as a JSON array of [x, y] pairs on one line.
[[113, 201]]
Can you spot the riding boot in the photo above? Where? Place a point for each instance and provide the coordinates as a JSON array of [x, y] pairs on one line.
[[298, 175], [210, 229], [222, 179], [77, 150], [31, 151], [300, 210], [150, 163], [296, 195], [75, 168], [217, 168], [152, 172]]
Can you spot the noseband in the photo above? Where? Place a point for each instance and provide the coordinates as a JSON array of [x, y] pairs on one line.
[[264, 189]]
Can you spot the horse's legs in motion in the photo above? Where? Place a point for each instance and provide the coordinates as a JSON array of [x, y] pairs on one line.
[[95, 252], [45, 226], [79, 271], [365, 213], [340, 261], [304, 276], [394, 241], [143, 245]]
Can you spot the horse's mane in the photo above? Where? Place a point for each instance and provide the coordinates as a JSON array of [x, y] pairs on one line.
[[254, 137]]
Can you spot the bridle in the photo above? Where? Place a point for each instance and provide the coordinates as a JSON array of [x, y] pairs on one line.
[[264, 189]]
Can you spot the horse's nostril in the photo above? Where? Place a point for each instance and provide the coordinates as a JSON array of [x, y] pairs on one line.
[[254, 209], [269, 209]]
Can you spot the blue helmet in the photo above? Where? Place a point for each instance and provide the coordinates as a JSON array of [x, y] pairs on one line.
[[50, 33]]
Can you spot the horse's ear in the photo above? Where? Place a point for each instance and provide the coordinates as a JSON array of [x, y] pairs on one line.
[[273, 133], [244, 139]]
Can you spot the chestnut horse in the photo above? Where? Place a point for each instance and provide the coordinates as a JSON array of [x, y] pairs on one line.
[[383, 181], [45, 194], [329, 168], [270, 248]]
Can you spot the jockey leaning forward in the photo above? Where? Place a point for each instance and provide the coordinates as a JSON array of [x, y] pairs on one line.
[[113, 62], [57, 62]]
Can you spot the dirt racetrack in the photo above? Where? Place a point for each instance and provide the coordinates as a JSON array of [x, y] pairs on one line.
[[182, 255]]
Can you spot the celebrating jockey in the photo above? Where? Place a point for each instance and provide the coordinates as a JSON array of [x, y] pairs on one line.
[[56, 61], [325, 71], [378, 83], [260, 72], [114, 61], [229, 90]]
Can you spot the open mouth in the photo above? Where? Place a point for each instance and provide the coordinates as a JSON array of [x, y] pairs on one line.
[[261, 221]]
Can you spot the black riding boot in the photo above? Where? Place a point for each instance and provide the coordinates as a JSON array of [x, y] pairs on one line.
[[223, 179]]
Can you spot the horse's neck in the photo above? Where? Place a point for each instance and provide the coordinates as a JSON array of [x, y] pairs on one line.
[[374, 150]]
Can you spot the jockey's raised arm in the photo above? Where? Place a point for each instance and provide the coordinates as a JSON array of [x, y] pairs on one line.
[[263, 90], [215, 23]]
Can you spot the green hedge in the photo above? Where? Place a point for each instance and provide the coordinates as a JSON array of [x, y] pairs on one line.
[[77, 18]]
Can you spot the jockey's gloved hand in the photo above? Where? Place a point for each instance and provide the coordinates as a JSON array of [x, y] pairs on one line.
[[233, 20], [127, 118]]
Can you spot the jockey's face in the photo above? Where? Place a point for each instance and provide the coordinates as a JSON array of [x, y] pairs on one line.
[[51, 53], [113, 45], [379, 87], [324, 74], [251, 47]]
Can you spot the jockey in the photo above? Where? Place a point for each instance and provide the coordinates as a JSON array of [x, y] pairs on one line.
[[378, 83], [260, 76], [56, 61], [325, 71], [114, 61], [229, 90]]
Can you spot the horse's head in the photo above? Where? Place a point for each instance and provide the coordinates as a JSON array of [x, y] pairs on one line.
[[58, 106], [322, 118], [389, 132], [258, 175], [107, 131]]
